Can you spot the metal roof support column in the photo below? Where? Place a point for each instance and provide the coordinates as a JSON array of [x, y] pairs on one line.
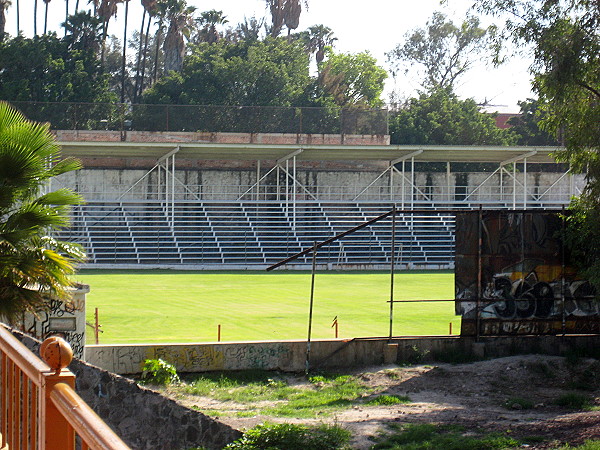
[[257, 180], [287, 187], [278, 187], [294, 194], [524, 183], [448, 182], [412, 183], [514, 186], [173, 191], [392, 186], [501, 186], [403, 177]]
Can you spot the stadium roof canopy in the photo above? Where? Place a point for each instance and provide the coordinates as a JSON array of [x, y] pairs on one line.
[[393, 153]]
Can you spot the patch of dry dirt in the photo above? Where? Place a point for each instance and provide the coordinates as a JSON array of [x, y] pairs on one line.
[[483, 396]]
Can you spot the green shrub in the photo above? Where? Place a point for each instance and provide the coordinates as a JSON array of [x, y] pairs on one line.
[[158, 371], [287, 436], [573, 400]]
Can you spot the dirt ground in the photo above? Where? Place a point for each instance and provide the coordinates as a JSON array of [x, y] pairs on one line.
[[482, 396]]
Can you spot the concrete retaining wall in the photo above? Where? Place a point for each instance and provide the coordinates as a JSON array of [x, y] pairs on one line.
[[290, 356]]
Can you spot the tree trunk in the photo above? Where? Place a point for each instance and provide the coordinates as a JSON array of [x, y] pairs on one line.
[[124, 53], [139, 59], [145, 52]]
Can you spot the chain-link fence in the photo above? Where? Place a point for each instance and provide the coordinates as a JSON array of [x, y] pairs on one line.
[[208, 118]]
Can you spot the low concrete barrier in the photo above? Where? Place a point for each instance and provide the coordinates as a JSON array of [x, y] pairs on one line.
[[290, 356]]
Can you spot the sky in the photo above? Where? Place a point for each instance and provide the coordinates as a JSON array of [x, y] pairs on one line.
[[377, 26]]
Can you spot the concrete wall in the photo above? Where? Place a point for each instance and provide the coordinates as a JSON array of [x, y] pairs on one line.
[[326, 354], [220, 138], [141, 417], [329, 182]]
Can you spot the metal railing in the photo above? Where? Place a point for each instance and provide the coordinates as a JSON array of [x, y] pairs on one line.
[[209, 118], [39, 409], [468, 196]]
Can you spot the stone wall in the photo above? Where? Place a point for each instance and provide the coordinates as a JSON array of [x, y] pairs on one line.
[[141, 417]]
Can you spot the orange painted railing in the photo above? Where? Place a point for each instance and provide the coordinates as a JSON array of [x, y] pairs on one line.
[[39, 408]]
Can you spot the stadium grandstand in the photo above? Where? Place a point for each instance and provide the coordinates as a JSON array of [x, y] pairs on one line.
[[245, 200]]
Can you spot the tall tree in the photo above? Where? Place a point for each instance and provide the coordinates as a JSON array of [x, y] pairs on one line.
[[149, 8], [352, 79], [317, 38], [179, 16], [84, 31], [208, 22], [33, 266], [4, 4], [564, 38], [526, 126], [442, 50], [284, 12], [46, 3]]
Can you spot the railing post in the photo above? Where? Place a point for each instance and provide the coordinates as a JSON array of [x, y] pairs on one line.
[[55, 432]]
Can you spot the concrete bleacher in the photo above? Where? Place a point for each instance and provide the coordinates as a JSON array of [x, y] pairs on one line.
[[254, 234]]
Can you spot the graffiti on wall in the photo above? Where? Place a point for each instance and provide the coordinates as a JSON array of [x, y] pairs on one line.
[[514, 262], [62, 318]]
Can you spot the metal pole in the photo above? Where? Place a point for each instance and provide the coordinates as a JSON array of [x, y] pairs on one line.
[[525, 183], [393, 259], [173, 193], [310, 311], [479, 275], [562, 273], [257, 179], [96, 327]]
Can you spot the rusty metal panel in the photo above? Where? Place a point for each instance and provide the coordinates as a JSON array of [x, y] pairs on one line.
[[528, 285]]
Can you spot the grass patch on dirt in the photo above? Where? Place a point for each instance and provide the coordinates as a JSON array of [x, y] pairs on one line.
[[447, 437], [286, 436], [322, 395], [188, 306], [386, 400]]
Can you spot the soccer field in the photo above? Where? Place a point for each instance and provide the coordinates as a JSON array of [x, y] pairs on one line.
[[181, 306]]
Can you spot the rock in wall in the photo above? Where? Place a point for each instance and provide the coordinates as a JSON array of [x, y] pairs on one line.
[[141, 417]]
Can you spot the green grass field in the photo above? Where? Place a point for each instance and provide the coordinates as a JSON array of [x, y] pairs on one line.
[[178, 306]]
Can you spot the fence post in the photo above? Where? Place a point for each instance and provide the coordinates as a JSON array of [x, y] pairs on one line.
[[55, 431]]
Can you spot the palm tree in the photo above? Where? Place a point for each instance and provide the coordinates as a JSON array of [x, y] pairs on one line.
[[33, 265], [285, 12], [106, 10], [35, 5], [84, 31], [179, 16], [319, 36], [46, 16], [149, 8], [209, 20], [4, 4]]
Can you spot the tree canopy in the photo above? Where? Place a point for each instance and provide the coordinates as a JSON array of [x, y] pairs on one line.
[[441, 118], [442, 51], [564, 38]]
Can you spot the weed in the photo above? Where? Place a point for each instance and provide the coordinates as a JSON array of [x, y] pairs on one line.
[[385, 400], [427, 436], [286, 436], [542, 369], [573, 400], [587, 445], [158, 371], [518, 403], [416, 355], [392, 375]]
